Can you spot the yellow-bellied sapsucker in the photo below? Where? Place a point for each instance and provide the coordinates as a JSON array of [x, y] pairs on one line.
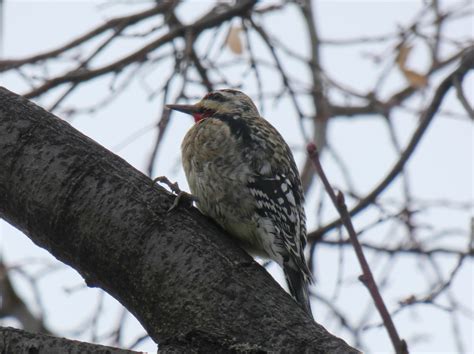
[[243, 176]]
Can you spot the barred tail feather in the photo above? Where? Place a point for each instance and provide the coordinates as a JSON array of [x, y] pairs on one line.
[[298, 284]]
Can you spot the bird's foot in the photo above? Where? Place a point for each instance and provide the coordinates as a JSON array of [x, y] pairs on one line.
[[182, 197]]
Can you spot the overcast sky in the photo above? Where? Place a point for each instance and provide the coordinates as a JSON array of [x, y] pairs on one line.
[[32, 26]]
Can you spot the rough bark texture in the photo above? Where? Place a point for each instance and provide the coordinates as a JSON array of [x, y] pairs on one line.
[[187, 283], [15, 341]]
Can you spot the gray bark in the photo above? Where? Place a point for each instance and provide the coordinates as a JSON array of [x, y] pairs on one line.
[[15, 341], [183, 278]]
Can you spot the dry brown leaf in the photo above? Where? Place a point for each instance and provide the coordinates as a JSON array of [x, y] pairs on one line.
[[415, 79], [403, 52], [233, 39]]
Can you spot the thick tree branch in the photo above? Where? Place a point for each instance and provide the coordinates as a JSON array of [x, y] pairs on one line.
[[16, 341], [186, 282]]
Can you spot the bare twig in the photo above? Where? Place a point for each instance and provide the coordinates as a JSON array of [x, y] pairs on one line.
[[284, 77], [207, 21], [366, 277], [12, 305], [462, 98], [114, 23], [467, 63], [84, 64], [319, 99], [400, 249]]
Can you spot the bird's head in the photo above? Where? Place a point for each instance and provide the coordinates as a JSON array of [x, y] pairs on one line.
[[224, 101]]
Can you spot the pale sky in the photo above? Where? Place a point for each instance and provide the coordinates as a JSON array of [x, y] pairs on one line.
[[440, 168]]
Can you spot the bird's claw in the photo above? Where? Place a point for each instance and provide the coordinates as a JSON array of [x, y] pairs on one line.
[[181, 196], [173, 186]]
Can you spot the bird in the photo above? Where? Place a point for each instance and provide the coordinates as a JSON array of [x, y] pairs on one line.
[[242, 175]]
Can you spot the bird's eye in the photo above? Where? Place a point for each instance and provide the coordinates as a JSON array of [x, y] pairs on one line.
[[215, 96]]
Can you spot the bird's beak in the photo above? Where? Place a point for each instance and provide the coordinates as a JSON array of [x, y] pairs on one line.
[[185, 108]]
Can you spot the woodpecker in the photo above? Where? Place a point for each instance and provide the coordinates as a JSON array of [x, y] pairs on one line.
[[244, 176]]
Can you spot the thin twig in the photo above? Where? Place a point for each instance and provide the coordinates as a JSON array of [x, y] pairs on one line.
[[117, 31], [467, 63], [111, 24], [141, 54], [462, 98], [284, 77], [366, 277]]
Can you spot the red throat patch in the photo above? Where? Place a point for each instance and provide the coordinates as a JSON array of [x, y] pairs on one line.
[[198, 117]]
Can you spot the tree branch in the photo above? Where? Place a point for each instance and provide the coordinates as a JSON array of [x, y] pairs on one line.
[[367, 278], [13, 340], [8, 64], [11, 305], [205, 22], [185, 281], [467, 63]]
